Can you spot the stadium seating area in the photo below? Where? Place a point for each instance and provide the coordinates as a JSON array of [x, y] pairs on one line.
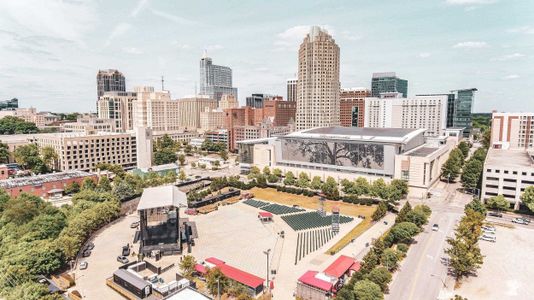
[[310, 241], [255, 203], [311, 220], [278, 209]]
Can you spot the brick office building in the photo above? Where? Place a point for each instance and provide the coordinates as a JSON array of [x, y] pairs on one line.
[[352, 107]]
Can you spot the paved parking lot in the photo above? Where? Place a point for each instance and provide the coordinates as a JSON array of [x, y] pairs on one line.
[[91, 283], [507, 272]]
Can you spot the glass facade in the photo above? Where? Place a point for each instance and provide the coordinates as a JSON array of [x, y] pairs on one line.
[[215, 80], [388, 84], [9, 104]]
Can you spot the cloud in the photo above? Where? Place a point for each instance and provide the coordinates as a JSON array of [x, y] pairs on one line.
[[174, 18], [471, 45], [511, 77], [523, 29], [132, 50], [509, 57], [350, 36], [117, 31], [179, 45], [214, 47], [137, 9], [469, 2], [424, 54], [291, 38], [68, 20]]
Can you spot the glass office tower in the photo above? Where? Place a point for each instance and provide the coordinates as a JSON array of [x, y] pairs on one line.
[[388, 83]]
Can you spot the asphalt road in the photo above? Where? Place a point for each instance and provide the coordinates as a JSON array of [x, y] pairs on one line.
[[422, 273]]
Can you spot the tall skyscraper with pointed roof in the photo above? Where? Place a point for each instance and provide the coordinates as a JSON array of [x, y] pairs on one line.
[[318, 81]]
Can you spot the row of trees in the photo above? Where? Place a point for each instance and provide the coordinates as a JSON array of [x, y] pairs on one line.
[[15, 125], [379, 189], [375, 274], [37, 238], [464, 252]]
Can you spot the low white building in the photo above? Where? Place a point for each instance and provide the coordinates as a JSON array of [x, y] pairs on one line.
[[507, 173]]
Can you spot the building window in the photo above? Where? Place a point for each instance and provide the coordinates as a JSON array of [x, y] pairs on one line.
[[405, 175]]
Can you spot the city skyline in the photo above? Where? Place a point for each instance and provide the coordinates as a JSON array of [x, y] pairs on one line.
[[437, 46]]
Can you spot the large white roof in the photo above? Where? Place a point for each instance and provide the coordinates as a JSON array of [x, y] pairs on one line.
[[162, 196], [366, 134]]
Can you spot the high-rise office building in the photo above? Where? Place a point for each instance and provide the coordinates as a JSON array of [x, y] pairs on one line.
[[12, 104], [256, 100], [388, 82], [352, 107], [155, 110], [109, 81], [459, 109], [428, 112], [292, 89], [215, 80], [318, 81], [463, 108], [190, 109], [514, 131], [119, 107]]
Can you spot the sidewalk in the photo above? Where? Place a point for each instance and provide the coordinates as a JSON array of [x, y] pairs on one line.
[[357, 248]]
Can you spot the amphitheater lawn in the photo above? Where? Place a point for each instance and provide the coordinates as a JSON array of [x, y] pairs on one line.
[[347, 209]]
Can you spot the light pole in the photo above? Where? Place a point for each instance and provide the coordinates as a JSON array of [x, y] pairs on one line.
[[441, 279], [218, 290], [267, 254]]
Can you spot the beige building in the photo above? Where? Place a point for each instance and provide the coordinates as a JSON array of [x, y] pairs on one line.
[[89, 124], [512, 131], [156, 110], [177, 136], [118, 106], [318, 81], [79, 151], [41, 119], [228, 101], [212, 119], [428, 112], [190, 109], [351, 152]]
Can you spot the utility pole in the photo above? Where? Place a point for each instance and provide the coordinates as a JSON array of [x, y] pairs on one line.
[[267, 254]]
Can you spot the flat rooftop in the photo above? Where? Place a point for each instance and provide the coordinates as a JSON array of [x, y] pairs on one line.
[[423, 151], [398, 135], [40, 179], [509, 158], [162, 196]]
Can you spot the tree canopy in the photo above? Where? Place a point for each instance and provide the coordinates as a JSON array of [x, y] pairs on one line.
[[15, 125]]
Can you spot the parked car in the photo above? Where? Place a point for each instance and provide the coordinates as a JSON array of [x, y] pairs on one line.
[[134, 224], [495, 214], [83, 265], [122, 259], [435, 227], [86, 253], [89, 246], [488, 238], [519, 221], [126, 250], [526, 220], [489, 228]]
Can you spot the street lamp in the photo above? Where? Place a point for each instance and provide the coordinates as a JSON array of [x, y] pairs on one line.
[[267, 254], [441, 279]]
